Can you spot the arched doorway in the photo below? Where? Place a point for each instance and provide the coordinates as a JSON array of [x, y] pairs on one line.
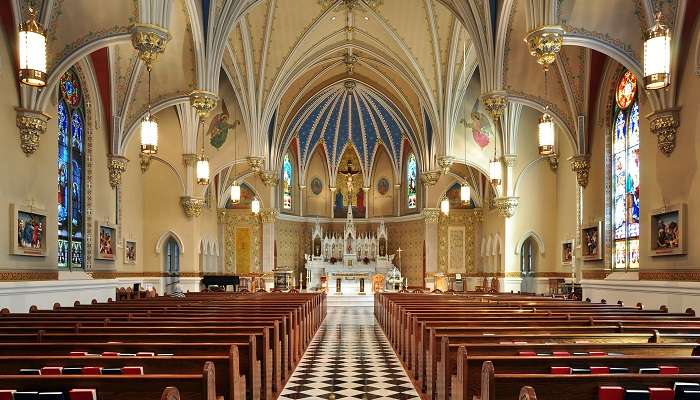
[[528, 265], [171, 267]]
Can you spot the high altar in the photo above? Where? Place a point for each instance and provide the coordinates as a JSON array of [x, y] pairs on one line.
[[348, 262]]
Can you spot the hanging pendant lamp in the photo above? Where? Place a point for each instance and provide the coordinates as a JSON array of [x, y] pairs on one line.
[[657, 55], [149, 127], [32, 51]]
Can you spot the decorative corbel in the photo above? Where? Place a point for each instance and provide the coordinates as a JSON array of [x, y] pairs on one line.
[[116, 166], [664, 124], [445, 162], [145, 162], [430, 178], [255, 163], [192, 206], [149, 41], [553, 162], [507, 205], [581, 165], [31, 125], [203, 102], [268, 215], [269, 178], [544, 43], [495, 103]]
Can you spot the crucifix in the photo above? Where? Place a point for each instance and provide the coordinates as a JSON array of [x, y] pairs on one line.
[[348, 174]]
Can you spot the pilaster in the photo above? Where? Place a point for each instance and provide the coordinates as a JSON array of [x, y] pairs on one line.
[[268, 216], [432, 217]]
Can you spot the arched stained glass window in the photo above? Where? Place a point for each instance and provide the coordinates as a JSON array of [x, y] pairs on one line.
[[411, 176], [287, 183], [71, 175], [625, 174]]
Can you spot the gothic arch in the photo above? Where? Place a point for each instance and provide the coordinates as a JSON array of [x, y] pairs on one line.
[[164, 238], [536, 237]]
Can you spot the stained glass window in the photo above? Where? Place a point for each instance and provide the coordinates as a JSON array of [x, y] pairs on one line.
[[71, 176], [411, 176], [625, 174], [287, 183]]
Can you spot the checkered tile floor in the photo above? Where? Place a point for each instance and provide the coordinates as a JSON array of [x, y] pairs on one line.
[[349, 358]]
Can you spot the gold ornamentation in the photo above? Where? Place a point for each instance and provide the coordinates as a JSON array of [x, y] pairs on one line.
[[192, 206], [494, 103], [255, 163], [189, 159], [116, 166], [29, 276], [544, 43], [553, 162], [507, 205], [145, 162], [581, 164], [445, 162], [269, 178], [149, 41], [31, 124], [509, 160], [430, 178], [268, 215], [664, 125], [349, 85], [431, 215], [203, 102]]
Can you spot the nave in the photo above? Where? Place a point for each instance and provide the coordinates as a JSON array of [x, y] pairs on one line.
[[349, 358]]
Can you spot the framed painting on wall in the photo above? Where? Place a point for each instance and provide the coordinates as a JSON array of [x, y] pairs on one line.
[[106, 242], [567, 252], [129, 252], [28, 231], [592, 242], [668, 231]]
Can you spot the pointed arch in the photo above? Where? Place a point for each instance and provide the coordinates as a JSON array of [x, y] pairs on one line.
[[164, 238], [535, 236]]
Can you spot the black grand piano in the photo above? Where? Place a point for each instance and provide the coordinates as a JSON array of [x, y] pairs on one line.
[[221, 280]]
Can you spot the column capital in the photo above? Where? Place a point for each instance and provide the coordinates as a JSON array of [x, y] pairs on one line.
[[117, 166], [203, 101], [545, 42], [431, 215], [581, 165], [268, 177], [430, 178], [31, 125], [495, 103], [255, 163], [268, 215], [510, 159], [192, 206], [445, 162], [189, 159], [507, 205], [664, 124]]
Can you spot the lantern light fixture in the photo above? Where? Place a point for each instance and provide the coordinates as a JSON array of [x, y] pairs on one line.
[[255, 206], [545, 129], [465, 193], [149, 127], [657, 55], [445, 206], [32, 51], [235, 192]]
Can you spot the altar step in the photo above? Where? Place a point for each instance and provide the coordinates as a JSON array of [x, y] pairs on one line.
[[351, 300]]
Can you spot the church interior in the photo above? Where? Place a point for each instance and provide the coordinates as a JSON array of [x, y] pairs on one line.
[[297, 199]]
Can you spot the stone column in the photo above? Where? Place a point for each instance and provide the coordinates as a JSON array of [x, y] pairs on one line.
[[332, 202], [302, 199], [190, 161], [267, 219], [397, 199], [432, 217], [366, 190]]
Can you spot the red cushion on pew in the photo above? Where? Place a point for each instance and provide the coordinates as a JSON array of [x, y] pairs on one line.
[[132, 370], [82, 394], [560, 370], [7, 394], [78, 353], [110, 354], [668, 370], [527, 353], [519, 342], [657, 393], [52, 371], [92, 370], [597, 353], [561, 354], [145, 354], [609, 393], [600, 370]]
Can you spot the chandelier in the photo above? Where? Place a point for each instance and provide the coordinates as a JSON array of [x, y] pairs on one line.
[[32, 51], [202, 161], [657, 55], [149, 126]]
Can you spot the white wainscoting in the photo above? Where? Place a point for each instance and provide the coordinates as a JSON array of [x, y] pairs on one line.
[[19, 296], [677, 296]]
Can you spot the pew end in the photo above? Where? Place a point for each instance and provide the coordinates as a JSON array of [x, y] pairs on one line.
[[170, 393], [527, 393]]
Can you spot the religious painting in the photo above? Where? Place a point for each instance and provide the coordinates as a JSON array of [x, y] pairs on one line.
[[28, 232], [382, 247], [316, 186], [287, 175], [383, 186], [411, 180], [247, 196], [455, 198], [567, 252], [668, 231], [591, 235], [129, 252], [480, 126], [106, 242], [219, 126]]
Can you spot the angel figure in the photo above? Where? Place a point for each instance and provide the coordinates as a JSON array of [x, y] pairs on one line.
[[218, 129], [480, 126]]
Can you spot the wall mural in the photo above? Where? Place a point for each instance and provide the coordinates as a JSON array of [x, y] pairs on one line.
[[219, 126], [474, 136], [247, 196], [480, 126], [383, 186]]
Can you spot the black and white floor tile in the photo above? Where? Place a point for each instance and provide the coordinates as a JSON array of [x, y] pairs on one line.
[[349, 358]]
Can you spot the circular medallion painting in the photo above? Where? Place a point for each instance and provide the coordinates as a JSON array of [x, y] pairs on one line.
[[316, 186], [383, 186], [626, 90]]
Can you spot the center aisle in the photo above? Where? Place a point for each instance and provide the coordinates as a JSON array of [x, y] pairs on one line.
[[349, 358]]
